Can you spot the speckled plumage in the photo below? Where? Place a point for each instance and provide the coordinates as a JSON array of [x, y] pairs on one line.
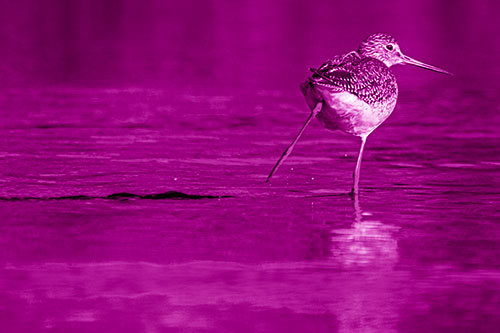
[[355, 92], [367, 78]]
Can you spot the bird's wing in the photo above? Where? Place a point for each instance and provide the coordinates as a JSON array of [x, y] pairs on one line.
[[367, 78], [331, 74]]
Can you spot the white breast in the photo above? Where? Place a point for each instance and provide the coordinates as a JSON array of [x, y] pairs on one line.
[[346, 112]]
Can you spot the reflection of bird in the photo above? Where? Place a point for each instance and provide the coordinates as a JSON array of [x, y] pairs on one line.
[[368, 242], [355, 92]]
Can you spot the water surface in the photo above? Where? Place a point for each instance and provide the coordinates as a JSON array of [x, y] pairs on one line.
[[132, 189]]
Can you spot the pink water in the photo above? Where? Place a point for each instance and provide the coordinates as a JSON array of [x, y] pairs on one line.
[[203, 104]]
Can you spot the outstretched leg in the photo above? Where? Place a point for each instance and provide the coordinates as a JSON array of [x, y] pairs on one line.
[[355, 186], [289, 149]]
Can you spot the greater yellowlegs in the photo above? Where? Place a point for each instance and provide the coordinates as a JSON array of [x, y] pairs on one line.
[[355, 92]]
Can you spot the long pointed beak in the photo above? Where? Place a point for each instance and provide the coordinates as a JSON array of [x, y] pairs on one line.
[[411, 61]]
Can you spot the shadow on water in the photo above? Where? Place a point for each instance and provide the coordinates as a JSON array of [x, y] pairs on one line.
[[173, 195]]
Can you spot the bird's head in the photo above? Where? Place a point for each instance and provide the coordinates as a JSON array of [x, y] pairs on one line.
[[385, 48]]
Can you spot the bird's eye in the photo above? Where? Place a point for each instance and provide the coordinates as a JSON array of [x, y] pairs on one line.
[[389, 47]]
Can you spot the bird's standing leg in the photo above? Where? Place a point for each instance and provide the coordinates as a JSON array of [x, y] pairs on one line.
[[289, 149], [355, 186]]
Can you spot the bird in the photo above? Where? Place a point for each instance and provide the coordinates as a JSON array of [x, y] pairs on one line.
[[355, 92]]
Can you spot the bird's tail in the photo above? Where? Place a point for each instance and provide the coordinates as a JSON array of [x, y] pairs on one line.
[[304, 86], [310, 94]]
